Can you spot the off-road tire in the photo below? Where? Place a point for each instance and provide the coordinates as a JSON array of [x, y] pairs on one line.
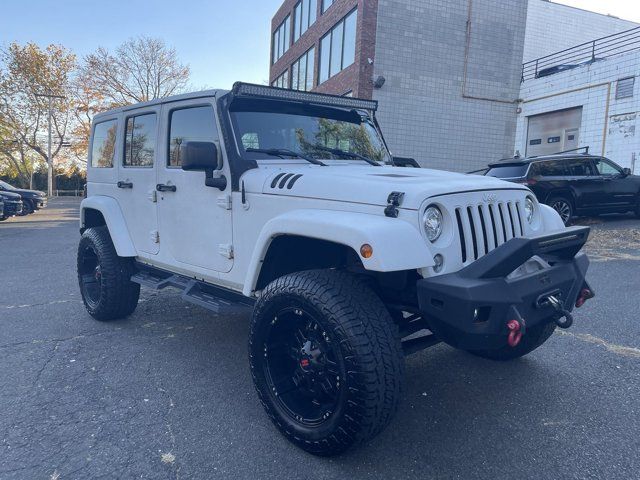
[[369, 348], [118, 295], [532, 339], [566, 203]]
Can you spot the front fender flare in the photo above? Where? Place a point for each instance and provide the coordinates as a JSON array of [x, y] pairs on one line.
[[397, 245], [114, 219]]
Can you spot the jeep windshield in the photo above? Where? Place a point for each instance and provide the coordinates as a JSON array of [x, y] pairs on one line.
[[326, 133]]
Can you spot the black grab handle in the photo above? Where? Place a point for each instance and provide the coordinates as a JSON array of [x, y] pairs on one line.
[[125, 185], [161, 187]]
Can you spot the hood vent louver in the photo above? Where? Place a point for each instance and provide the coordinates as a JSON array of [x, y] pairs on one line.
[[285, 179]]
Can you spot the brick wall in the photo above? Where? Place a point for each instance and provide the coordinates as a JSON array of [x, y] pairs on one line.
[[355, 78], [425, 107]]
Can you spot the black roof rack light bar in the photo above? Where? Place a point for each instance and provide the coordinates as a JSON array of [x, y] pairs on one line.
[[241, 89], [586, 151]]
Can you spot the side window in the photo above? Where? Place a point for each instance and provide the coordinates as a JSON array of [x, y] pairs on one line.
[[103, 145], [606, 168], [192, 124], [578, 167], [140, 141], [551, 169]]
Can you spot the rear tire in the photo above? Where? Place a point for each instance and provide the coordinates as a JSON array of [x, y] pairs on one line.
[[326, 360], [563, 206], [532, 339], [104, 277]]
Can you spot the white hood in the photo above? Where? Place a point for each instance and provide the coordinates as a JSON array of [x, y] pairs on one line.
[[365, 184]]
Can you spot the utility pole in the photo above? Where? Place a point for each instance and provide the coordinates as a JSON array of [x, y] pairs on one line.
[[50, 97]]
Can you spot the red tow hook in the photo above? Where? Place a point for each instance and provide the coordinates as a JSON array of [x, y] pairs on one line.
[[516, 330], [585, 294]]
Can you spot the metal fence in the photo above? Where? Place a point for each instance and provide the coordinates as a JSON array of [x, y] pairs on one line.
[[583, 54], [68, 193]]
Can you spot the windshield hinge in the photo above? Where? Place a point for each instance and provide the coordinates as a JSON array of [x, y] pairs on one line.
[[394, 200]]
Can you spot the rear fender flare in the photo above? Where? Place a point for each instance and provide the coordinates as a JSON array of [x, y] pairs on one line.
[[114, 219]]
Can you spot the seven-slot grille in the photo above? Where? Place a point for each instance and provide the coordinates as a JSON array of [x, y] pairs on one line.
[[483, 227]]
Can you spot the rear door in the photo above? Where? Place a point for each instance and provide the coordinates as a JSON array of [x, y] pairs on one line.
[[619, 191], [584, 183], [136, 179], [195, 220]]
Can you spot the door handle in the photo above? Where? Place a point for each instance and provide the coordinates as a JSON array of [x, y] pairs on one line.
[[125, 185], [161, 187]]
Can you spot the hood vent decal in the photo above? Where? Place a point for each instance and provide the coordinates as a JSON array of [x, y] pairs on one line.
[[283, 179]]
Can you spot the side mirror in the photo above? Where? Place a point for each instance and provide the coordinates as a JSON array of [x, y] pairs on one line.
[[199, 156], [203, 156], [626, 172]]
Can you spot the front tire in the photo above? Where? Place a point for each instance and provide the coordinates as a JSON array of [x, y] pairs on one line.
[[564, 207], [532, 339], [104, 277], [326, 360]]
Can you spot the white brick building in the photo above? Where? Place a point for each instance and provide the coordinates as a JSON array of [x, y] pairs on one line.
[[552, 27], [595, 105]]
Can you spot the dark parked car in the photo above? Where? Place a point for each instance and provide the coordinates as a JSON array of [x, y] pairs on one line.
[[12, 204], [574, 184], [32, 200], [1, 207]]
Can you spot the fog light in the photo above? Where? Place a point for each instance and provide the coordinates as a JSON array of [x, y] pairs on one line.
[[438, 261]]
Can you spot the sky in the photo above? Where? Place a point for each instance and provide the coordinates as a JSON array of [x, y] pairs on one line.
[[221, 40]]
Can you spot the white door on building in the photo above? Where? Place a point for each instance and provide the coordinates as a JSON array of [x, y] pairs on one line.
[[571, 139]]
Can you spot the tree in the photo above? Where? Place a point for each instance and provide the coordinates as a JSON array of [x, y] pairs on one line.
[[25, 73], [141, 69]]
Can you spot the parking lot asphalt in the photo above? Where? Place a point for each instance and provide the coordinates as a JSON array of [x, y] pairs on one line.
[[167, 393]]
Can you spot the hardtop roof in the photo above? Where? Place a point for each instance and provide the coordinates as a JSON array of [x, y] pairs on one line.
[[161, 101]]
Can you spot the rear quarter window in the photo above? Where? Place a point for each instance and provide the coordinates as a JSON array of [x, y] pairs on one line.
[[508, 171], [103, 144]]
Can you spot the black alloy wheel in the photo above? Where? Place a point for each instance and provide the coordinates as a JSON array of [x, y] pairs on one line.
[[563, 207], [302, 367]]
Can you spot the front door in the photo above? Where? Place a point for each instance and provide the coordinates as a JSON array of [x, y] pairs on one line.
[[195, 220], [619, 191], [136, 180]]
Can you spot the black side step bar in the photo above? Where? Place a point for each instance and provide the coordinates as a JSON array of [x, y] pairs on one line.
[[217, 299]]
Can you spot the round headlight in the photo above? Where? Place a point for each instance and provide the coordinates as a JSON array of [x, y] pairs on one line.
[[432, 220], [529, 209]]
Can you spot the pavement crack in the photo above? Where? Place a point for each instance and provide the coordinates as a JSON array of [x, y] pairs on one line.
[[54, 302], [622, 350]]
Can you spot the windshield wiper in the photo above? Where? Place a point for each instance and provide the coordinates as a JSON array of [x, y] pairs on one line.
[[344, 153], [283, 152]]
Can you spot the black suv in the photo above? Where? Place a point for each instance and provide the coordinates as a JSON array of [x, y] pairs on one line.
[[574, 184], [32, 200]]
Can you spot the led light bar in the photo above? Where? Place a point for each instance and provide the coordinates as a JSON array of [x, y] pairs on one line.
[[250, 90]]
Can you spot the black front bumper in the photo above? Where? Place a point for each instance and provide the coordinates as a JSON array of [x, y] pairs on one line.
[[11, 209], [470, 309]]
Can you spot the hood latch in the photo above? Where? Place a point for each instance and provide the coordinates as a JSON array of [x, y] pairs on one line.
[[393, 200]]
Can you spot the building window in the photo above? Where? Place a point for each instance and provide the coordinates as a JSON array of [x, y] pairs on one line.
[[304, 15], [282, 81], [326, 4], [103, 144], [302, 71], [624, 88], [140, 141], [338, 47], [281, 39]]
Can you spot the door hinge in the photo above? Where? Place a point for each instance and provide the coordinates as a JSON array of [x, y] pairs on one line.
[[224, 201], [155, 236], [153, 196], [226, 250]]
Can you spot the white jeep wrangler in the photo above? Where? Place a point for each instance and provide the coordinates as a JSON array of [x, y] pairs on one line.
[[289, 203]]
